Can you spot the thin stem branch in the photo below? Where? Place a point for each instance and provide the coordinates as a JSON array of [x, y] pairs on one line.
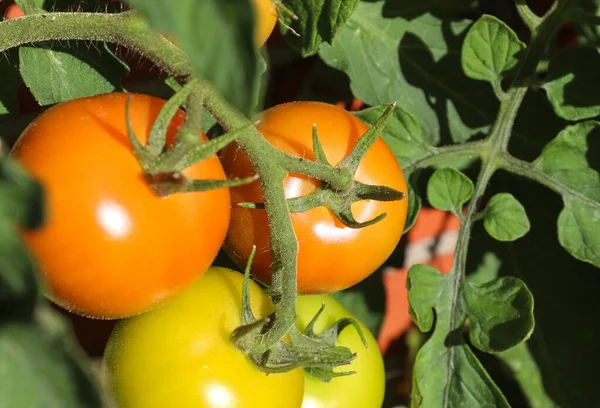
[[531, 19], [528, 170]]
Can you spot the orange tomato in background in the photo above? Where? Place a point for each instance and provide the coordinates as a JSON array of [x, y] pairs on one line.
[[111, 247]]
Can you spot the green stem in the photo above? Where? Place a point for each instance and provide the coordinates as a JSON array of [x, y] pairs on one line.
[[126, 29], [471, 149], [528, 170], [498, 140], [531, 19]]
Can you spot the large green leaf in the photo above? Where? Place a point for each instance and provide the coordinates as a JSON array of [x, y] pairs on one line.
[[402, 134], [447, 373], [39, 372], [318, 21], [573, 83], [218, 39], [566, 160], [416, 63], [57, 74], [565, 290]]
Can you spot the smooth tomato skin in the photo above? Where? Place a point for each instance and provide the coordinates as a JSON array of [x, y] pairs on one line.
[[179, 355], [13, 11], [110, 247], [266, 18], [365, 388], [331, 257]]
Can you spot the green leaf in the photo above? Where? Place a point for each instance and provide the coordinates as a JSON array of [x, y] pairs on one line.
[[11, 81], [487, 270], [505, 218], [21, 203], [414, 202], [449, 189], [415, 63], [451, 376], [218, 39], [40, 372], [490, 49], [425, 285], [318, 21], [366, 301], [566, 159], [402, 134], [59, 74], [528, 375], [447, 373], [573, 83], [500, 313]]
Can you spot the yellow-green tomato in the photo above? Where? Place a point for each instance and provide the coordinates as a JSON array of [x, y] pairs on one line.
[[366, 388], [180, 356]]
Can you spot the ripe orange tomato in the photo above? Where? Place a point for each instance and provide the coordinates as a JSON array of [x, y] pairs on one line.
[[331, 256], [365, 388], [266, 18], [111, 247], [13, 11], [180, 355]]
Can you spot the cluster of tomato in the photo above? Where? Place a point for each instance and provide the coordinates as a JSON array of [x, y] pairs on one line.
[[111, 248]]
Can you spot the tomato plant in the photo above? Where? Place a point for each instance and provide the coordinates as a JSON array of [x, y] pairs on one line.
[[180, 355], [331, 256], [454, 104], [363, 389], [111, 247]]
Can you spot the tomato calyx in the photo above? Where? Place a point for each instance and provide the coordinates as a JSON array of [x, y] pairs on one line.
[[339, 197], [162, 167], [316, 354]]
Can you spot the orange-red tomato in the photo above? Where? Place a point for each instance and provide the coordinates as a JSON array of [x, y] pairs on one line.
[[13, 11], [111, 247], [331, 256]]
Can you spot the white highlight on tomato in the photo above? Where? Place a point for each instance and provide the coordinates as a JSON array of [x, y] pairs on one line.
[[114, 219], [219, 396]]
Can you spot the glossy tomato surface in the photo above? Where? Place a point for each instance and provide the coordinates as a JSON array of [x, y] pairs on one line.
[[179, 355], [111, 247], [331, 256], [266, 18], [366, 388]]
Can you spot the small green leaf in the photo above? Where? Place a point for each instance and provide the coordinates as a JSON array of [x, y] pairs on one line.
[[318, 21], [414, 203], [505, 218], [526, 372], [425, 285], [59, 74], [490, 49], [578, 229], [500, 313], [402, 133], [487, 270], [573, 83], [41, 373], [218, 39], [449, 190], [566, 159]]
